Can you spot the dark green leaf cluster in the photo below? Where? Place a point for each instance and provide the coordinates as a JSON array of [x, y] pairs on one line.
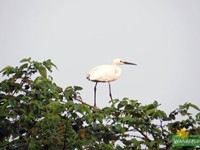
[[35, 113]]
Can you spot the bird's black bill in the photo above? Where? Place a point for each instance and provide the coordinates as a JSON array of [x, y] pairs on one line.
[[129, 63]]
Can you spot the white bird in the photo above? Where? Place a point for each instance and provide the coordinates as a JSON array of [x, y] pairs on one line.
[[106, 73]]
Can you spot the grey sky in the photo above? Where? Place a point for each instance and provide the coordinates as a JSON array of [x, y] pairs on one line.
[[162, 37]]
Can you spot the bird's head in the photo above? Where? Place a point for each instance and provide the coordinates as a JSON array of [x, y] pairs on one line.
[[121, 62]]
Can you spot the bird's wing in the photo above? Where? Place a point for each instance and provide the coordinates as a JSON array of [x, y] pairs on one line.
[[103, 73]]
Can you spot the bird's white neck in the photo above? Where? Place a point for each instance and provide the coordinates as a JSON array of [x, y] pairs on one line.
[[117, 72]]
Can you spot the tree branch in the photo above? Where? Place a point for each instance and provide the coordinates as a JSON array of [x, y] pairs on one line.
[[80, 100]]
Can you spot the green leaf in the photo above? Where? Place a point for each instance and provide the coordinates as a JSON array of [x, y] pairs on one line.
[[3, 103], [155, 103], [55, 107], [122, 104], [43, 72], [150, 106], [118, 127], [134, 102], [114, 101], [38, 80], [77, 88], [86, 109], [126, 118], [89, 120], [198, 117], [150, 111], [23, 66], [4, 69], [38, 104], [68, 92], [161, 114], [153, 144], [128, 107], [12, 102], [136, 142], [48, 64], [25, 60], [184, 113], [8, 70], [193, 106]]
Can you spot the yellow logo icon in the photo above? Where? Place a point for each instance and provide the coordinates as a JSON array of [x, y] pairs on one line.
[[182, 133]]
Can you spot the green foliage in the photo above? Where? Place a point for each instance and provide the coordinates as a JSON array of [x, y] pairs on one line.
[[35, 113]]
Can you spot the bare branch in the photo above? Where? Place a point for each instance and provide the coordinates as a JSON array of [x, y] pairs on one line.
[[80, 100]]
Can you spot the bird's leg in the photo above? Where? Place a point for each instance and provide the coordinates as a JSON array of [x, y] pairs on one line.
[[95, 88], [110, 94]]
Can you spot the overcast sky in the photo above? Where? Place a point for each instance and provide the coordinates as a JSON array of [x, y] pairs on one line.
[[162, 37]]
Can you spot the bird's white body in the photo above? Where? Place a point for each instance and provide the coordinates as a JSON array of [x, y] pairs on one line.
[[104, 73]]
